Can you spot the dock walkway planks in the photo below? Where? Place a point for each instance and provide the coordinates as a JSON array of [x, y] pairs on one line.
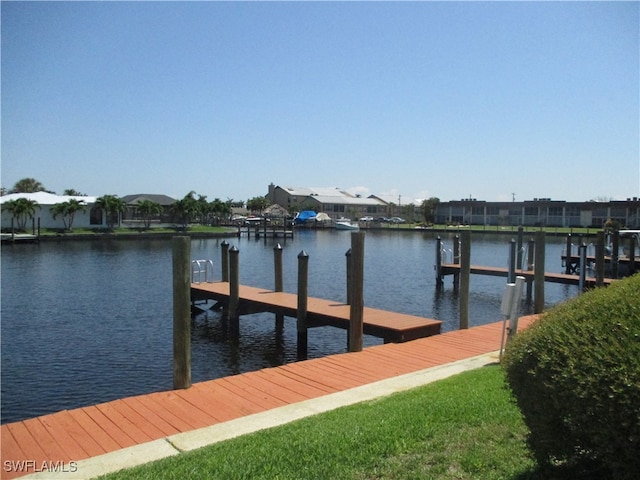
[[450, 268], [73, 435], [391, 326]]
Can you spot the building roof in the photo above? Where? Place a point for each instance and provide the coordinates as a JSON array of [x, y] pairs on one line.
[[46, 198], [275, 210], [335, 195], [163, 200], [343, 200], [397, 199]]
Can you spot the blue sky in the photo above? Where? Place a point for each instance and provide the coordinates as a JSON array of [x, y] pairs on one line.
[[421, 99]]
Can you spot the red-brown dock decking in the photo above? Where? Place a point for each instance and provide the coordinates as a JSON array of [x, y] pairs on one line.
[[73, 435], [450, 268], [391, 326]]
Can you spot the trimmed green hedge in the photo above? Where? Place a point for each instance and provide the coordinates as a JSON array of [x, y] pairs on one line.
[[575, 375]]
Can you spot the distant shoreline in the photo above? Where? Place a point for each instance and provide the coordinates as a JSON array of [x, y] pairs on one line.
[[229, 232]]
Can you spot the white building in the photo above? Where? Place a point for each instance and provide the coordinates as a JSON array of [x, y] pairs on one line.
[[91, 217]]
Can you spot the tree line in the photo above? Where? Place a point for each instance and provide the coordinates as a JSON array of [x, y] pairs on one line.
[[192, 208]]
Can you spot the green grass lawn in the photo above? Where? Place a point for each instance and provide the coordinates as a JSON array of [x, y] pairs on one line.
[[464, 427], [136, 231]]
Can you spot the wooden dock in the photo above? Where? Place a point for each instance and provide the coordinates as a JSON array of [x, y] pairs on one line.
[[73, 435], [19, 238], [454, 269], [390, 326], [574, 262]]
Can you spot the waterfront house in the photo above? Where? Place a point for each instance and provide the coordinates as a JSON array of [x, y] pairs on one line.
[[91, 217]]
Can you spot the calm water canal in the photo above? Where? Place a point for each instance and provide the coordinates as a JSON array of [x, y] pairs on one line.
[[91, 321]]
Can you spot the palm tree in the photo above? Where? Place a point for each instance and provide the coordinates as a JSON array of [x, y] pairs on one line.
[[22, 210], [257, 204], [68, 211], [428, 208], [148, 210], [73, 193], [220, 210], [28, 185], [185, 210], [113, 207]]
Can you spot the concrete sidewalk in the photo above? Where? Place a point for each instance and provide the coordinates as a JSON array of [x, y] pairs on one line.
[[187, 441]]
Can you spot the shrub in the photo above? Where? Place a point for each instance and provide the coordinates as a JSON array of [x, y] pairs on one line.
[[575, 375]]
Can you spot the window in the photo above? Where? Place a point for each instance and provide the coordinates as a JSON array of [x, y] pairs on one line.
[[555, 211], [95, 216]]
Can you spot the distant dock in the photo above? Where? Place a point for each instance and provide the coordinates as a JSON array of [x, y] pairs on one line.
[[19, 238], [563, 278]]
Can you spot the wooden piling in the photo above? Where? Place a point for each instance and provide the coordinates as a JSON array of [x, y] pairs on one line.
[[511, 275], [278, 283], [456, 249], [519, 247], [615, 253], [530, 259], [600, 259], [538, 273], [181, 252], [303, 292], [234, 291], [356, 313], [348, 270], [439, 280], [456, 261], [465, 277], [632, 255], [567, 264], [582, 252], [224, 260]]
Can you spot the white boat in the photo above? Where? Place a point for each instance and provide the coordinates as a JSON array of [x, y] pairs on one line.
[[345, 224]]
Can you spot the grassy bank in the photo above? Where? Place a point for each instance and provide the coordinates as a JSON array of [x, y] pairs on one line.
[[464, 427], [80, 233]]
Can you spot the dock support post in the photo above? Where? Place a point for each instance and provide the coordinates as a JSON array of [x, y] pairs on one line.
[[224, 260], [438, 263], [465, 276], [456, 261], [511, 277], [615, 253], [234, 292], [567, 262], [357, 299], [582, 249], [303, 291], [349, 279], [632, 255], [538, 273], [181, 312], [519, 247], [456, 249], [530, 254], [600, 259], [277, 263]]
